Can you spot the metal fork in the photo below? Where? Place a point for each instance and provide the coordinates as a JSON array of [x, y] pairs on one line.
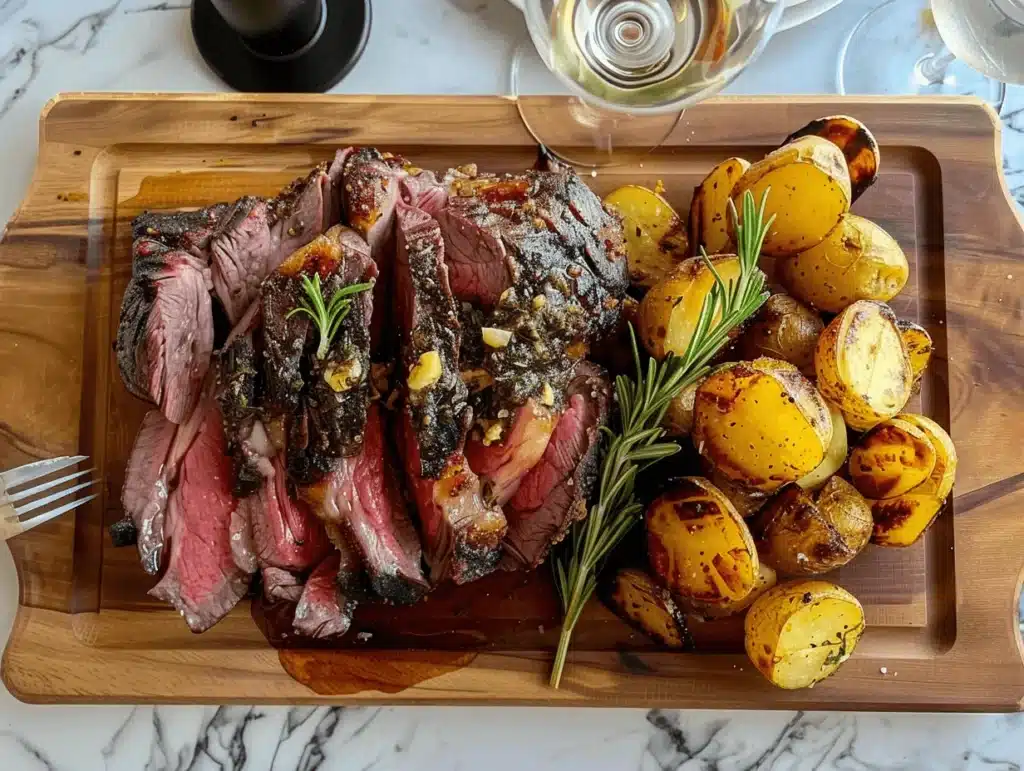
[[11, 515]]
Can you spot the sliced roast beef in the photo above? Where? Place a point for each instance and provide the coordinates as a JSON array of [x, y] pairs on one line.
[[280, 584], [147, 487], [286, 534], [362, 498], [429, 336], [503, 460], [165, 330], [461, 533], [190, 231], [554, 493], [202, 579], [323, 611]]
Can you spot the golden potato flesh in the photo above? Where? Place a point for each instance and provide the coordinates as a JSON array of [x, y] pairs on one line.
[[919, 346], [855, 261], [784, 329], [799, 633], [892, 458], [761, 423], [656, 239], [804, 533], [698, 546], [857, 143], [766, 579], [862, 365], [902, 520], [711, 225], [810, 192], [645, 605], [835, 455], [670, 309]]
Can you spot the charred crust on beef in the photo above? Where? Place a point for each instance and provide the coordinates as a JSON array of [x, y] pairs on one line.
[[123, 532]]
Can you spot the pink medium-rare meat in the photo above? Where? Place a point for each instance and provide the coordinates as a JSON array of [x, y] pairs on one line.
[[323, 611], [165, 329], [202, 580], [281, 585], [554, 493], [502, 463], [461, 533], [362, 498], [286, 534], [147, 487]]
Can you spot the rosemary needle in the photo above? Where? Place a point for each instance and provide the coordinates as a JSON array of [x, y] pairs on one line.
[[642, 404], [327, 317]]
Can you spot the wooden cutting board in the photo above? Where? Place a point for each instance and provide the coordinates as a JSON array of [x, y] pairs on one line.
[[942, 614]]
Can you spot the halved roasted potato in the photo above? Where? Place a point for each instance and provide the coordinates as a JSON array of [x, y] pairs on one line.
[[678, 420], [656, 239], [862, 365], [761, 423], [892, 458], [835, 455], [784, 329], [810, 192], [799, 633], [804, 533], [919, 346], [857, 143], [900, 521], [710, 223], [857, 260], [699, 546], [641, 602], [745, 499], [670, 309], [766, 579]]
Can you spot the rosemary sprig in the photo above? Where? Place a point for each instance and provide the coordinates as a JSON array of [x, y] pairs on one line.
[[327, 317], [642, 404]]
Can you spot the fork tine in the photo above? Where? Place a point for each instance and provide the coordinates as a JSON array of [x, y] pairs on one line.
[[28, 524], [30, 471], [28, 493], [51, 498]]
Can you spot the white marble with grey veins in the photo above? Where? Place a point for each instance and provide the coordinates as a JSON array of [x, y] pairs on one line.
[[458, 46]]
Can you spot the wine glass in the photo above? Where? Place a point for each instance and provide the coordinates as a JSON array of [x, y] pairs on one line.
[[632, 66], [941, 47]]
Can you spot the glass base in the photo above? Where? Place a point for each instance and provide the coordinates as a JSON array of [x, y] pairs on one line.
[[916, 61]]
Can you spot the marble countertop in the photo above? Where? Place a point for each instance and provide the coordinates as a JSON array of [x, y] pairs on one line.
[[460, 46]]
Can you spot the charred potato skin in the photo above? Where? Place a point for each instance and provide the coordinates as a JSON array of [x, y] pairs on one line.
[[656, 237], [710, 225], [857, 260], [855, 141], [919, 347], [698, 546], [635, 597], [839, 361], [761, 423], [766, 579], [810, 193], [803, 533], [783, 329], [892, 458]]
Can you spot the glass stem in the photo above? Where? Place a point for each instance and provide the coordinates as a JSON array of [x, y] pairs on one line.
[[933, 66]]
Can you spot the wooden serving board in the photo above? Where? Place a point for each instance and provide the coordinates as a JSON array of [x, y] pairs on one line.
[[942, 614]]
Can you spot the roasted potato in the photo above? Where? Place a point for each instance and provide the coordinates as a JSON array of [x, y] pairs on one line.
[[919, 346], [698, 546], [799, 633], [784, 329], [761, 423], [678, 420], [835, 455], [862, 365], [766, 579], [810, 192], [900, 521], [656, 239], [642, 603], [745, 499], [892, 458], [856, 261], [857, 143], [710, 222], [804, 533], [670, 309]]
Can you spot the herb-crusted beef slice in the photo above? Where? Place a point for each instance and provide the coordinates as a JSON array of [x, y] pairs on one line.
[[361, 499], [203, 580], [323, 611], [190, 231], [554, 493]]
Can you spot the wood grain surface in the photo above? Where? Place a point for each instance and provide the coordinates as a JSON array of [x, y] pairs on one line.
[[941, 614]]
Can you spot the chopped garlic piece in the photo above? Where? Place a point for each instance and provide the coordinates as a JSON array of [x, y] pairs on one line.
[[547, 396], [539, 302], [476, 379], [493, 433], [344, 376], [426, 371], [494, 337]]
